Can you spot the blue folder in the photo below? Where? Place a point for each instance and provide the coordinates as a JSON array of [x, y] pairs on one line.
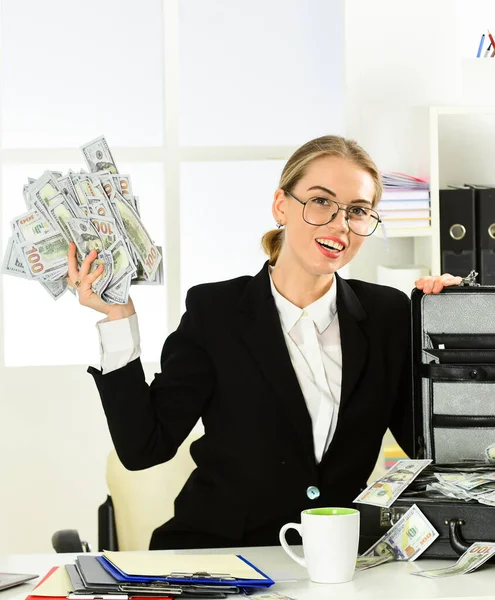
[[122, 577]]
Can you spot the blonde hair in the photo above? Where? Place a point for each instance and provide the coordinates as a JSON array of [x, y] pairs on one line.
[[328, 145]]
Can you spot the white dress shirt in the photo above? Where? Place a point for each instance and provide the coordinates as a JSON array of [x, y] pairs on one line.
[[312, 336], [119, 343]]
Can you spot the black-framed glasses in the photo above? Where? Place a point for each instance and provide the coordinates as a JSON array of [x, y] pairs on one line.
[[319, 210]]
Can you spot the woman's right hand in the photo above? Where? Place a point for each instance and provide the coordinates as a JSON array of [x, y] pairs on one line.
[[82, 280]]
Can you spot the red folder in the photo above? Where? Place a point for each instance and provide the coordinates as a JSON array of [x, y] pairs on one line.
[[53, 569], [50, 572]]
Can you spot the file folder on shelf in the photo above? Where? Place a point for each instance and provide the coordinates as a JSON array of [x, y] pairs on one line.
[[227, 569], [485, 230], [457, 231]]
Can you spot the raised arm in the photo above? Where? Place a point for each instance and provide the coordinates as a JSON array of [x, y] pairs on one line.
[[149, 422]]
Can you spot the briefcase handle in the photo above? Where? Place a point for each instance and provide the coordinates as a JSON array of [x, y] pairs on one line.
[[457, 541]]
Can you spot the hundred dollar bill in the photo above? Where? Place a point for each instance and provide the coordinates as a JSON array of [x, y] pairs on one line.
[[45, 189], [490, 453], [109, 188], [386, 490], [146, 250], [141, 278], [45, 256], [67, 187], [107, 182], [12, 264], [56, 289], [98, 156], [407, 539], [62, 212], [119, 293], [89, 189], [368, 562], [80, 195], [99, 207], [122, 263], [476, 555], [470, 482], [32, 226], [85, 236], [27, 197], [126, 188], [102, 282], [106, 230]]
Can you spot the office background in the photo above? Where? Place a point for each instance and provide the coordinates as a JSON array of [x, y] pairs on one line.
[[201, 101]]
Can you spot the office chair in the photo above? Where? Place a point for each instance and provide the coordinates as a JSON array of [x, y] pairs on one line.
[[138, 502]]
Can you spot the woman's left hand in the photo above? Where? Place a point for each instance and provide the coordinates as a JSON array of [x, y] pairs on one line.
[[435, 283]]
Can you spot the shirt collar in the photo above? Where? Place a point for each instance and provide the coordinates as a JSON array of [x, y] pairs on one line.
[[322, 311]]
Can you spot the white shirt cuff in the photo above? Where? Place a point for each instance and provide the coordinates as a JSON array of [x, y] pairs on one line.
[[119, 343]]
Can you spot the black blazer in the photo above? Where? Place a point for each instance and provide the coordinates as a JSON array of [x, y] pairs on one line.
[[228, 363]]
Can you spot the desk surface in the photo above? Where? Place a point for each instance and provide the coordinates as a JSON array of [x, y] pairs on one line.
[[393, 580]]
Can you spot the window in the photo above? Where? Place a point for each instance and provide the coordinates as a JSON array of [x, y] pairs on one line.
[[200, 114]]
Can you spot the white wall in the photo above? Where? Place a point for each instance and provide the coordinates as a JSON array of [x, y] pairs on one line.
[[402, 55]]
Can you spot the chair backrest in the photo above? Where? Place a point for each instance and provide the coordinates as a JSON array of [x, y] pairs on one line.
[[143, 500]]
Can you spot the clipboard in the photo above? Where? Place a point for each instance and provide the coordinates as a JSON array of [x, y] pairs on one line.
[[199, 577]]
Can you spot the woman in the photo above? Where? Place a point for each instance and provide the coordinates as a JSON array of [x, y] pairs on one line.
[[295, 372]]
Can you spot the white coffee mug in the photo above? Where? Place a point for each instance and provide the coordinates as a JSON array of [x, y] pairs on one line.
[[330, 539]]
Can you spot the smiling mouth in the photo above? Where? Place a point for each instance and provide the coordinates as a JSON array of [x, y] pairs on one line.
[[330, 245]]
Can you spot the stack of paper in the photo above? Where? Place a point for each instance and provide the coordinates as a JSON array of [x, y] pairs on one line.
[[405, 201], [121, 576]]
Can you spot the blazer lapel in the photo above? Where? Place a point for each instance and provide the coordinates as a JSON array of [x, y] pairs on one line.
[[260, 328], [354, 341]]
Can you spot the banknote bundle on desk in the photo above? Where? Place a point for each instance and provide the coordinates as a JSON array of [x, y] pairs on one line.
[[97, 210], [413, 533]]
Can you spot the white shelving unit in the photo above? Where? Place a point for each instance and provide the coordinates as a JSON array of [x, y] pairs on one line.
[[455, 145], [461, 151]]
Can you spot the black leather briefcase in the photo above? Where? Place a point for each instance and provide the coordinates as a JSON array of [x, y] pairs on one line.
[[453, 342]]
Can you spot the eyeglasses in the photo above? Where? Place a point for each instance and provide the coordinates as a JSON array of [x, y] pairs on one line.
[[318, 210]]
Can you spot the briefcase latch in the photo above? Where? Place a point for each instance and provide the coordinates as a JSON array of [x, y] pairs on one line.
[[470, 280], [389, 516]]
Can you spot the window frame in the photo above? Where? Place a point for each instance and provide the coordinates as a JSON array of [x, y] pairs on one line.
[[171, 154]]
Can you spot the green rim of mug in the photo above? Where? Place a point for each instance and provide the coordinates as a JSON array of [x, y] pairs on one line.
[[330, 512]]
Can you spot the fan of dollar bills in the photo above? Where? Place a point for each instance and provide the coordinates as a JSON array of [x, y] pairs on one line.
[[96, 211]]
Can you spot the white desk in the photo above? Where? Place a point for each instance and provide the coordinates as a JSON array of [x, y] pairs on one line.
[[392, 581]]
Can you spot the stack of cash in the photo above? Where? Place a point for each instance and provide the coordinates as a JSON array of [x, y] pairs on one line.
[[413, 533], [96, 210], [468, 481]]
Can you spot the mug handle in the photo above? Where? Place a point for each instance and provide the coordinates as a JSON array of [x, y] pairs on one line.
[[297, 526]]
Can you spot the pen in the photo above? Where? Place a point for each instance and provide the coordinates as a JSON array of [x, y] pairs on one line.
[[487, 51], [492, 41], [480, 47]]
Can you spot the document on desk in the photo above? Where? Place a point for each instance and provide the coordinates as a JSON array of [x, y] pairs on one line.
[[56, 585], [172, 565]]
